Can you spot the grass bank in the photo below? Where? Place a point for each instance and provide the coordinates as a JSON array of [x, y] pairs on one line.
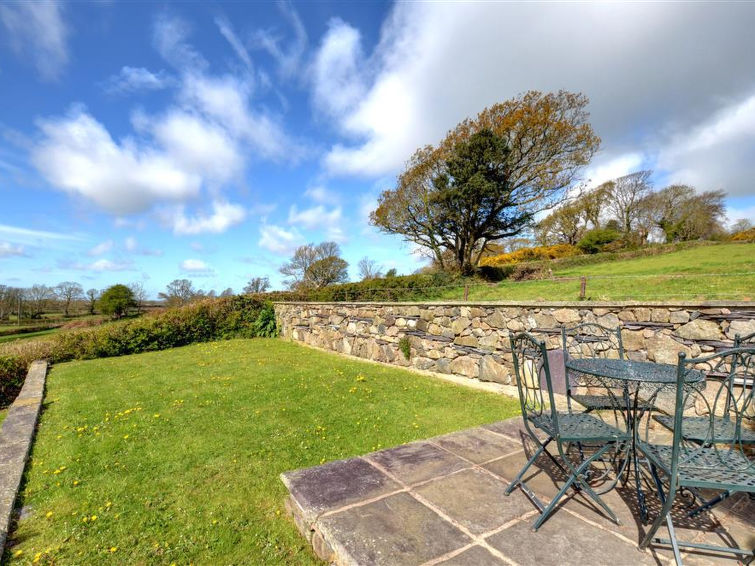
[[723, 271], [174, 456]]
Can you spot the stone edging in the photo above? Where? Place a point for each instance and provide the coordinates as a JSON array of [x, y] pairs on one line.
[[537, 304], [15, 441]]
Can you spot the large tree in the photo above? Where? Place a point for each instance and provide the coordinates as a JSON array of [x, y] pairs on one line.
[[117, 301], [315, 266], [627, 194], [369, 269], [38, 296], [684, 214], [525, 152], [68, 292], [257, 285], [180, 292]]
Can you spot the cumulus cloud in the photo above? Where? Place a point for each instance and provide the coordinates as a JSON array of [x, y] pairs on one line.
[[135, 79], [279, 240], [7, 250], [644, 68], [318, 217], [322, 195], [132, 246], [37, 31], [78, 155], [98, 265], [201, 143], [224, 215], [195, 266]]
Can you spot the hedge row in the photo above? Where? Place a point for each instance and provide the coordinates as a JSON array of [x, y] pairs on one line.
[[212, 319]]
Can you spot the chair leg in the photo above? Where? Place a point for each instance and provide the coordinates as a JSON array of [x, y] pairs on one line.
[[520, 475], [575, 477], [664, 512]]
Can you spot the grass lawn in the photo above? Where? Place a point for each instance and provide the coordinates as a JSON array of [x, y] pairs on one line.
[[706, 272], [3, 414], [174, 457]]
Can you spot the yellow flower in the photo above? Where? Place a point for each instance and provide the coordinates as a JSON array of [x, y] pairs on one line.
[[48, 514], [157, 415], [94, 517], [113, 548], [18, 553], [75, 482], [125, 436]]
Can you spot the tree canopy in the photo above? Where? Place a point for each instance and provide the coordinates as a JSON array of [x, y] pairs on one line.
[[315, 266], [117, 301], [516, 158]]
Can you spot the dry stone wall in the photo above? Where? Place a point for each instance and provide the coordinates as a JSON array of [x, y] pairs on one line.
[[472, 339]]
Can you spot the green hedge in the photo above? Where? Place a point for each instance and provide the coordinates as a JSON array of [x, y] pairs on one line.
[[212, 319]]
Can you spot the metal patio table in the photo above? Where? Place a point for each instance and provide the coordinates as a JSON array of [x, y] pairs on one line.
[[634, 380]]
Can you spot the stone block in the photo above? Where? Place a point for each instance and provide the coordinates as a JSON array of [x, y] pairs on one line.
[[417, 462], [496, 319], [659, 315], [460, 325], [609, 320], [664, 349], [470, 341], [700, 329], [627, 316], [678, 317], [566, 316], [465, 365], [491, 370], [642, 314], [741, 327]]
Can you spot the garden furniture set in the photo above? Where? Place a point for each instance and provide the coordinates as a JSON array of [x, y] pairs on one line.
[[617, 411]]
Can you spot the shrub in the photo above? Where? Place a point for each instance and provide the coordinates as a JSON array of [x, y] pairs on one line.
[[202, 321], [405, 346], [594, 240], [744, 236], [530, 254]]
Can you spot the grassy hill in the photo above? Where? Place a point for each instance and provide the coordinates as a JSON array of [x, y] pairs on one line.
[[723, 271]]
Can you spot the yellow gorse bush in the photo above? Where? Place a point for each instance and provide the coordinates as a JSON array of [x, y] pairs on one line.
[[531, 254]]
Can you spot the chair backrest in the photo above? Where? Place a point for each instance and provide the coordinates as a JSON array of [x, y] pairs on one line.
[[730, 407], [592, 340], [533, 378]]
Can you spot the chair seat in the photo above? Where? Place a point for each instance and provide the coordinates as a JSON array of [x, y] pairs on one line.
[[698, 429], [579, 427], [705, 466], [605, 402]]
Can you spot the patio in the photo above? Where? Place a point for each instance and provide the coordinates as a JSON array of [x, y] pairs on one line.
[[441, 501]]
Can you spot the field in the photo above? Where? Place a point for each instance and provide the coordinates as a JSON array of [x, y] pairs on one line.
[[174, 456], [724, 271]]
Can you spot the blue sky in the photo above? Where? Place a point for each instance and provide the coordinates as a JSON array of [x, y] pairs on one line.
[[144, 142]]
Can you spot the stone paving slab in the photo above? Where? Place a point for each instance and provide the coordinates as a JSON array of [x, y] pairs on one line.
[[441, 501]]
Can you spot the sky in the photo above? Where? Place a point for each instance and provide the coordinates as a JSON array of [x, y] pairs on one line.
[[152, 141]]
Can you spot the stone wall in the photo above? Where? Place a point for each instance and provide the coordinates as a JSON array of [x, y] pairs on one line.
[[472, 339]]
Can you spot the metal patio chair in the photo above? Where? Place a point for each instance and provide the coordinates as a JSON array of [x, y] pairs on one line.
[[591, 340], [719, 459], [696, 428], [539, 411]]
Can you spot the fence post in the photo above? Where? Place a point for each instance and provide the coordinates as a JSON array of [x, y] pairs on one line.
[[466, 292], [582, 287]]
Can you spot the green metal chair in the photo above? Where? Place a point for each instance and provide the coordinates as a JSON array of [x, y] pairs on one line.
[[697, 429], [564, 429], [718, 459]]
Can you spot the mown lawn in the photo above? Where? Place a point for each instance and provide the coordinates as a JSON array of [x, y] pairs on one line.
[[27, 335], [174, 457], [707, 274]]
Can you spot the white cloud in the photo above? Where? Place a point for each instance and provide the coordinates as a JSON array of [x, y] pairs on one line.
[[131, 244], [107, 265], [36, 30], [195, 266], [315, 217], [78, 155], [613, 167], [101, 248], [322, 195], [170, 38], [34, 237], [226, 30], [201, 143], [279, 240], [198, 145], [135, 79], [7, 250], [288, 57], [224, 215], [642, 67], [336, 72]]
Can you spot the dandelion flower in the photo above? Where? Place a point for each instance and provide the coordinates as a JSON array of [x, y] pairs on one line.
[[48, 514]]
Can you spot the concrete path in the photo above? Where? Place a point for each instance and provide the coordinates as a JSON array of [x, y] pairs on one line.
[[441, 501]]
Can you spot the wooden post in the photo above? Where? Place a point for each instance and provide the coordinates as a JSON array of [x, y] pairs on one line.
[[582, 287], [466, 291]]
